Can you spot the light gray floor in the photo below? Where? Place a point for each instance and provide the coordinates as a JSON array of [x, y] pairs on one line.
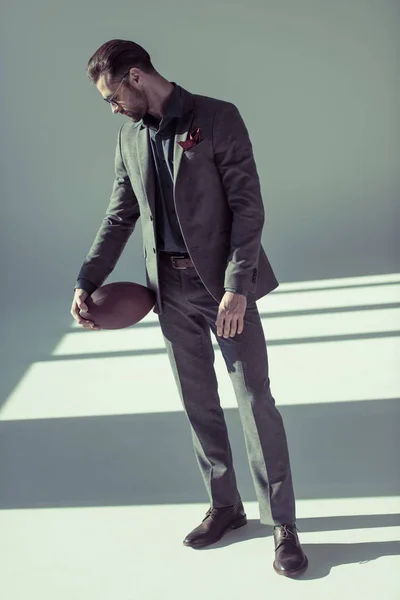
[[87, 513]]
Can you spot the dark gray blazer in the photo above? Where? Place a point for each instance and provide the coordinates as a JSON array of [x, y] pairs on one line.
[[217, 197]]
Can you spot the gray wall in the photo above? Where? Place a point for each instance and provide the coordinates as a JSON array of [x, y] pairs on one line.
[[316, 82]]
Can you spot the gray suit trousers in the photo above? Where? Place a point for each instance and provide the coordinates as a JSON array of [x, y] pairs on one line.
[[188, 318]]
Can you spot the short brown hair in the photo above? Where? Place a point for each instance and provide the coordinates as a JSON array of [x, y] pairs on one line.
[[115, 58]]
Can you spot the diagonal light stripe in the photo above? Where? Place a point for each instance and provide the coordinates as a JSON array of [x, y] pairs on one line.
[[275, 328], [300, 374]]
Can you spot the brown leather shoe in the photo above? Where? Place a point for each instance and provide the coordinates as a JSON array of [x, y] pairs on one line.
[[215, 524], [290, 559]]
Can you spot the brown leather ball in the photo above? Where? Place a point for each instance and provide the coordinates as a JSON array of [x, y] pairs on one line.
[[119, 305]]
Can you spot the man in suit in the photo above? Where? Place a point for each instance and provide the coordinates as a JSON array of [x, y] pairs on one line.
[[184, 164]]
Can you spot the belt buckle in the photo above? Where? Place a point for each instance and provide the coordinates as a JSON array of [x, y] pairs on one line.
[[174, 258]]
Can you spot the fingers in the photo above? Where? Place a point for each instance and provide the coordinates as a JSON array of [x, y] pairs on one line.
[[230, 319], [240, 324], [85, 323], [220, 321], [229, 324]]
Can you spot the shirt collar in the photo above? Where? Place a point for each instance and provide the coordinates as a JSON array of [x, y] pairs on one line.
[[172, 109]]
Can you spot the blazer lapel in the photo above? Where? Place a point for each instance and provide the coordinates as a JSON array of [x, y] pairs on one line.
[[181, 135], [146, 167]]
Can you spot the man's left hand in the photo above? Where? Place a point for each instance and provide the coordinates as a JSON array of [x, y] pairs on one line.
[[230, 314]]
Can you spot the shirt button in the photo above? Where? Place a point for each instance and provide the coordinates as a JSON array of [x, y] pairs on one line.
[[151, 217], [154, 250]]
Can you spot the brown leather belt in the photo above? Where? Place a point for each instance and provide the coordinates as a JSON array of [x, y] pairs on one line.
[[178, 262]]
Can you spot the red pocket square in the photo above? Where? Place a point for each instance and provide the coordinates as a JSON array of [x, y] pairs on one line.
[[194, 139]]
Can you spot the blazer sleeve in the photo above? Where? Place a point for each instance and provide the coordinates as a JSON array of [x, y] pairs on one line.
[[117, 226], [233, 154]]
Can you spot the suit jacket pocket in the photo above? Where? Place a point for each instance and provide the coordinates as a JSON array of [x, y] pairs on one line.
[[193, 152]]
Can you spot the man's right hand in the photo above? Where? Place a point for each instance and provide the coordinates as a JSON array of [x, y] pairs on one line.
[[78, 304]]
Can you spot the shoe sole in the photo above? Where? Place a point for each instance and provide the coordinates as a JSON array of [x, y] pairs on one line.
[[292, 573], [234, 525]]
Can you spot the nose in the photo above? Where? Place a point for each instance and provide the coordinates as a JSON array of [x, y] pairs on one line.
[[115, 108]]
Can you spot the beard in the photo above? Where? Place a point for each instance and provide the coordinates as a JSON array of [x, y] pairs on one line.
[[138, 105]]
